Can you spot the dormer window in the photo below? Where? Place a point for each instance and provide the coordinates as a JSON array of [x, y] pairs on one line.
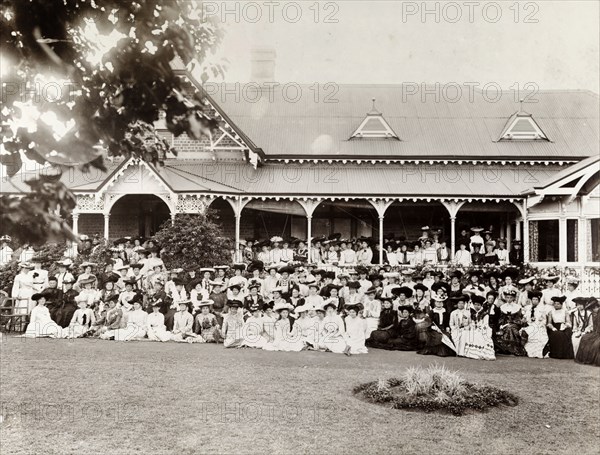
[[522, 127], [374, 126]]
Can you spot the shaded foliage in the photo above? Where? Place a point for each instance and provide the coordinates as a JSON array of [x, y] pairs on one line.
[[109, 97], [193, 241]]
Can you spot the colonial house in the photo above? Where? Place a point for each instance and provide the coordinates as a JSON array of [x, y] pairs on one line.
[[367, 160]]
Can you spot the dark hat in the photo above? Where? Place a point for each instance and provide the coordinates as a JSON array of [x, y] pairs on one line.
[[494, 293], [408, 292], [330, 303], [512, 272], [440, 285], [255, 306], [353, 285], [375, 276], [37, 296], [538, 294], [319, 272], [459, 298], [371, 290], [477, 299], [234, 303], [286, 269], [136, 266], [130, 281], [235, 286], [355, 306], [335, 236], [256, 265], [361, 269], [405, 308], [456, 274], [420, 286], [177, 281], [580, 300], [113, 298], [254, 285], [560, 299], [517, 242], [137, 298], [112, 278], [593, 303]]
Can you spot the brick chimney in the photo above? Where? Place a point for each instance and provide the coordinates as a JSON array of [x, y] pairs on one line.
[[262, 64]]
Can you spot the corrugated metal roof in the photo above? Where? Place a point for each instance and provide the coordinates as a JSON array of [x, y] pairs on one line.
[[426, 126]]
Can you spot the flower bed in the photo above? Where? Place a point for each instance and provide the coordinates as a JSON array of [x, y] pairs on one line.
[[434, 389]]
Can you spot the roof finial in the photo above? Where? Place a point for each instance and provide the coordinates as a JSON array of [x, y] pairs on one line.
[[374, 110]]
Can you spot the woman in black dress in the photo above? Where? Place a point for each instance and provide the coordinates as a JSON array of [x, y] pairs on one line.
[[589, 346], [388, 325], [437, 338], [406, 338], [559, 330], [490, 258]]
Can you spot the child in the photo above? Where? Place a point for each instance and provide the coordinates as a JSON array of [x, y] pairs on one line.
[[207, 325], [232, 325], [356, 329]]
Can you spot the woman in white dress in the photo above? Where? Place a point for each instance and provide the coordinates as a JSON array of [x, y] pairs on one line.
[[40, 322], [535, 314], [22, 288], [463, 256], [82, 319], [333, 332], [136, 320], [157, 331], [232, 325], [371, 311], [459, 324], [287, 337], [253, 330], [307, 325], [480, 345], [356, 329]]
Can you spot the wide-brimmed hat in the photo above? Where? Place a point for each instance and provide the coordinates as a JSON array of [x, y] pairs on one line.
[[420, 286], [354, 306], [286, 269], [5, 238], [371, 290], [65, 263], [85, 281], [330, 303], [408, 292], [88, 264], [239, 266], [280, 306], [234, 303], [581, 300], [560, 299], [549, 277], [304, 308], [527, 280], [512, 272], [25, 265], [254, 285], [477, 229], [533, 294], [207, 302], [182, 302], [439, 298], [511, 290], [353, 285], [256, 265], [207, 269]]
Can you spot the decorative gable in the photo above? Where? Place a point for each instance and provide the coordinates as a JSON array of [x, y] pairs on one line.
[[521, 126], [374, 126]]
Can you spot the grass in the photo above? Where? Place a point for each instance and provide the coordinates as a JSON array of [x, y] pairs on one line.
[[88, 396], [435, 388]]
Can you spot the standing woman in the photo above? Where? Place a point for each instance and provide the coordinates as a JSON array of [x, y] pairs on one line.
[[22, 288], [372, 310], [559, 330], [589, 346]]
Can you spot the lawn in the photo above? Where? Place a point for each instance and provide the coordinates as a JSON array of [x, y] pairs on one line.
[[87, 396]]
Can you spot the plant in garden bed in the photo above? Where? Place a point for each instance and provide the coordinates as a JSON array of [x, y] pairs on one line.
[[434, 389]]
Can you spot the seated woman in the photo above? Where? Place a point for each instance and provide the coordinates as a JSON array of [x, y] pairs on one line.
[[82, 319], [157, 331], [333, 336], [479, 343], [183, 324], [307, 326], [388, 326], [589, 345], [581, 320], [287, 336], [206, 324], [406, 333], [510, 321], [253, 330], [136, 322], [459, 324], [535, 333], [356, 329], [559, 331], [232, 325], [371, 310], [422, 325], [438, 341], [40, 323]]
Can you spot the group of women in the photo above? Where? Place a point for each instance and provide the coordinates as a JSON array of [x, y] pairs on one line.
[[476, 314]]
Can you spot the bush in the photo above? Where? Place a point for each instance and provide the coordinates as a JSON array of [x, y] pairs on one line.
[[193, 241], [434, 389]]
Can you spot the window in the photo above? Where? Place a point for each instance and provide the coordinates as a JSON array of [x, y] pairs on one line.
[[594, 240], [522, 127], [374, 126], [543, 241], [572, 243]]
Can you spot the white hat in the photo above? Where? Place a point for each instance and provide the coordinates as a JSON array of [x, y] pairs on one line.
[[283, 306], [303, 308]]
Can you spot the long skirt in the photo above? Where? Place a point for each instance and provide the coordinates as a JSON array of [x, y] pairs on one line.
[[560, 343], [46, 329], [77, 330], [212, 335], [509, 341], [357, 346], [435, 346], [190, 337], [537, 339], [333, 342], [380, 339], [589, 349], [159, 333], [129, 333], [459, 337], [478, 344]]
